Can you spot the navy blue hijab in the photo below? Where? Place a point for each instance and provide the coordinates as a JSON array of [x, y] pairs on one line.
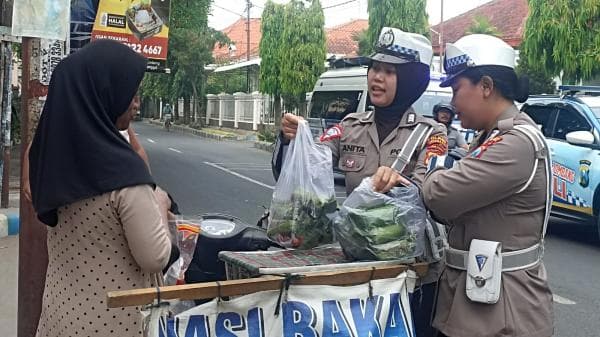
[[77, 151], [412, 80]]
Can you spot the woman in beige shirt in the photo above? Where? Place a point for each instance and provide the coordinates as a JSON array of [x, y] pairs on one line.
[[107, 224]]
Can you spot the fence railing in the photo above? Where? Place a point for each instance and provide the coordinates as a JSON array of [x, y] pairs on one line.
[[240, 108]]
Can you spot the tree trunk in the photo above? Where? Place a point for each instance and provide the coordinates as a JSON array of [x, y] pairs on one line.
[[195, 103], [156, 106], [277, 110], [176, 110], [186, 110], [145, 107]]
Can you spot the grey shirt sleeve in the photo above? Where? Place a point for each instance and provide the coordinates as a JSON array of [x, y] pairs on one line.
[[144, 230], [460, 139]]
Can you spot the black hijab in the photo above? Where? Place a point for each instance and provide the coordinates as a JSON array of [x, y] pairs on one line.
[[411, 82], [77, 151]]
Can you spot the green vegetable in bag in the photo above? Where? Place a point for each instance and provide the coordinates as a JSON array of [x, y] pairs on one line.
[[303, 222]]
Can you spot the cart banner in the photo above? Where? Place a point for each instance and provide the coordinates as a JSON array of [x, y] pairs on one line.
[[307, 311], [142, 25], [46, 19]]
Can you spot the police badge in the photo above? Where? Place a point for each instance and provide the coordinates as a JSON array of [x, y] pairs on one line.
[[584, 172], [386, 39]]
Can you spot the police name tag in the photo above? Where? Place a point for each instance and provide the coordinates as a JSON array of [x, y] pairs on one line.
[[484, 271]]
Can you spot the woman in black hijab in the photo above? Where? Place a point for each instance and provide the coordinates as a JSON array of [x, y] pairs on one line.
[[107, 224]]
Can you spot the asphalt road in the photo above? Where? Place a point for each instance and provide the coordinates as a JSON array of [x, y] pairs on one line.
[[207, 176]]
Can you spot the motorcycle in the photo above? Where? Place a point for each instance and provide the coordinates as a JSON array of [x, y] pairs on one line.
[[167, 121], [221, 232]]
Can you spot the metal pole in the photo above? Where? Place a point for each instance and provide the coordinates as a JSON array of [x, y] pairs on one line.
[[249, 5], [6, 121], [33, 252], [441, 37]]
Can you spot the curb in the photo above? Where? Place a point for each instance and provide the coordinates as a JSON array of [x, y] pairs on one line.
[[204, 134], [265, 146], [9, 222]]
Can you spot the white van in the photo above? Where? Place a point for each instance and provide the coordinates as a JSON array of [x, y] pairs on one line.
[[341, 91]]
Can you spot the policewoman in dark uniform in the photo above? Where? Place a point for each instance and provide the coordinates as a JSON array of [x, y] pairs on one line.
[[496, 202], [367, 144]]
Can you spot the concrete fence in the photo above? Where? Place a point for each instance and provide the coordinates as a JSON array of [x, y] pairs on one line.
[[240, 110]]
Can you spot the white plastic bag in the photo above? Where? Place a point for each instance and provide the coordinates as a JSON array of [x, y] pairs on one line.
[[304, 195], [376, 226]]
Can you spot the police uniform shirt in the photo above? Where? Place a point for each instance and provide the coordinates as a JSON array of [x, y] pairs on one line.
[[455, 138], [478, 198], [354, 144]]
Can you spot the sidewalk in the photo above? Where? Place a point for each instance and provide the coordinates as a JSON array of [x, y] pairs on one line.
[[9, 252], [9, 267], [221, 134], [210, 132]]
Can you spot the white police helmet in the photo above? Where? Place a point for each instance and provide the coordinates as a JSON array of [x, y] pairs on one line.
[[397, 47], [473, 51]]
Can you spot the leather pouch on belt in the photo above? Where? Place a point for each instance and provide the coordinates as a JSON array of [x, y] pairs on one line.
[[484, 271]]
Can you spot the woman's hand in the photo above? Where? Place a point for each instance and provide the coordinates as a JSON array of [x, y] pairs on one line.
[[289, 125], [387, 178]]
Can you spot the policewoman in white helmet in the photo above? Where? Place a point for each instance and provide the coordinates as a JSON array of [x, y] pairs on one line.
[[368, 143], [496, 202]]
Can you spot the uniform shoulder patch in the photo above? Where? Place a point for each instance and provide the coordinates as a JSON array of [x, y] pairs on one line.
[[437, 145], [356, 115], [478, 152], [332, 133]]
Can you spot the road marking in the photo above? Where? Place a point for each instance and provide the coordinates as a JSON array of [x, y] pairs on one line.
[[240, 164], [239, 175], [175, 150], [562, 300], [251, 169], [151, 141]]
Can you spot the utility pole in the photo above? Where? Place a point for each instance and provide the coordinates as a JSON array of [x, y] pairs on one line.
[[33, 252], [6, 119], [248, 7], [441, 35]]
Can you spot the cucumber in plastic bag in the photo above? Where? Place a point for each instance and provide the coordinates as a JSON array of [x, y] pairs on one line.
[[376, 226]]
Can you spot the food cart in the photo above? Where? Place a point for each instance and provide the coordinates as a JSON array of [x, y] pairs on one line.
[[268, 282]]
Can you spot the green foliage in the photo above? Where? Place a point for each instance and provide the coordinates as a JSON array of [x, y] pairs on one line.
[[407, 15], [362, 38], [228, 82], [482, 25], [304, 52], [563, 36], [191, 43], [267, 134], [540, 82], [271, 48]]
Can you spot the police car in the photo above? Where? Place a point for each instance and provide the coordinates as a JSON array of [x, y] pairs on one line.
[[571, 123]]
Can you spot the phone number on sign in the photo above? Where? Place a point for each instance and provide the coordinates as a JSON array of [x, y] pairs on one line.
[[145, 49]]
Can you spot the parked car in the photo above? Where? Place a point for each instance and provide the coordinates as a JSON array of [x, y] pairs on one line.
[[571, 123]]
